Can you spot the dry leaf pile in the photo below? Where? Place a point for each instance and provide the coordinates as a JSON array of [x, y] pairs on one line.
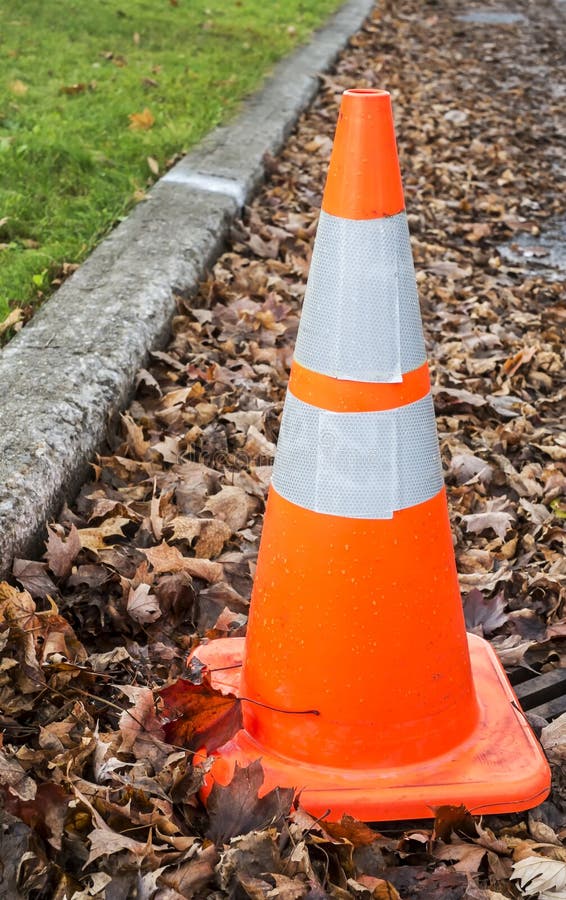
[[100, 714]]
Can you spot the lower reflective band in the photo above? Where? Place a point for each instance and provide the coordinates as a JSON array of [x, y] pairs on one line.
[[358, 465], [361, 317]]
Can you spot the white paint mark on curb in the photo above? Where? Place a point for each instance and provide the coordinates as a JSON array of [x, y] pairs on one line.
[[215, 183]]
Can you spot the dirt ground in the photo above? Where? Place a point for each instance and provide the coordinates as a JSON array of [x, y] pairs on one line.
[[158, 550]]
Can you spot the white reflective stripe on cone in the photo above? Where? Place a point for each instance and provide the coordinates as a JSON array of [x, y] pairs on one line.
[[361, 318], [362, 465]]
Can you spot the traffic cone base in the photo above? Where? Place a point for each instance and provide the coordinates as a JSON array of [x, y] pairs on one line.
[[498, 768]]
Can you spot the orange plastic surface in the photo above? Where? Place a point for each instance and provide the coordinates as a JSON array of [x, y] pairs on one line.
[[357, 396], [340, 608], [500, 768], [364, 181]]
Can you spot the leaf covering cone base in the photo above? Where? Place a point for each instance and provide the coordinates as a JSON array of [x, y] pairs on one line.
[[359, 685]]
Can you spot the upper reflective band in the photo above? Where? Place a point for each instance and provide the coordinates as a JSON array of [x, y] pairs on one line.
[[357, 465], [361, 318]]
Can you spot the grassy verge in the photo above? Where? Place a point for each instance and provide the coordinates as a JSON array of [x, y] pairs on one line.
[[95, 99]]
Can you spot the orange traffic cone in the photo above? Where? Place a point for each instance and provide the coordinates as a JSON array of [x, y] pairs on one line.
[[362, 689]]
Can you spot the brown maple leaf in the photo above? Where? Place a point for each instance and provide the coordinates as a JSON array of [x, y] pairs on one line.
[[61, 552], [237, 808], [164, 558]]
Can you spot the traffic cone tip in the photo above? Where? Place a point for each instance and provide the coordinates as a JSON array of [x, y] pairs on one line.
[[364, 180]]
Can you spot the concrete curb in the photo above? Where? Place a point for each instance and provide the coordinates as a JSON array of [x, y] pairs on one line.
[[72, 368]]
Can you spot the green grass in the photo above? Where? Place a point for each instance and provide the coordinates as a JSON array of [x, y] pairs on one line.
[[71, 74]]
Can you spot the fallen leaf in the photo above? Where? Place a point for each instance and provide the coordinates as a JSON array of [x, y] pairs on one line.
[[214, 599], [242, 419], [478, 230], [177, 597], [232, 505], [467, 857], [78, 88], [205, 569], [536, 512], [558, 508], [495, 516], [45, 811], [58, 637], [148, 381], [141, 719], [511, 650], [466, 466], [447, 398], [18, 88], [143, 606], [453, 819], [416, 882], [320, 142], [541, 832], [18, 608], [197, 716], [542, 876], [250, 856], [61, 552], [13, 318], [169, 449], [104, 841], [257, 446], [164, 558], [13, 777], [137, 444], [379, 888], [489, 614], [357, 833], [190, 878], [510, 366], [456, 116], [153, 165], [263, 249], [553, 736], [213, 535], [185, 528], [227, 624], [141, 121], [95, 538], [195, 482], [100, 662], [449, 269], [33, 576], [237, 809]]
